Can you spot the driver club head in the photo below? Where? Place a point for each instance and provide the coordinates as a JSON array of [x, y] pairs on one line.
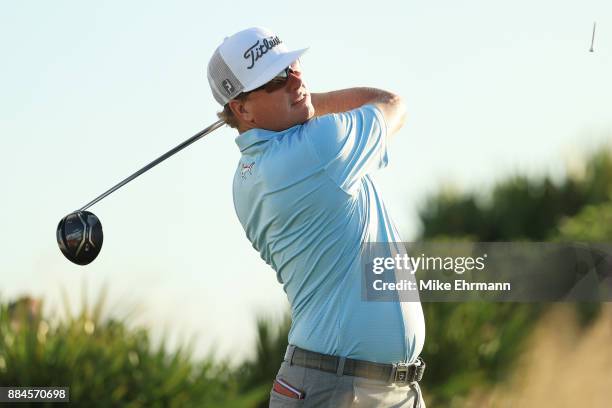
[[79, 236]]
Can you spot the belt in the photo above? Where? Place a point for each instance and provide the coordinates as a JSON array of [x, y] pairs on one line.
[[397, 373]]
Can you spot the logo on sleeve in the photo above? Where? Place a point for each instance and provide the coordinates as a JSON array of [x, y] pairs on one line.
[[246, 170]]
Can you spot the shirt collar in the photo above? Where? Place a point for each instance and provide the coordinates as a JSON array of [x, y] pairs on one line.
[[254, 136]]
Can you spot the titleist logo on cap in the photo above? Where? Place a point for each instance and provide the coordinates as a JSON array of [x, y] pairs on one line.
[[260, 48]]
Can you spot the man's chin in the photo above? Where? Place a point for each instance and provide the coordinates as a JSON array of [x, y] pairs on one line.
[[311, 111], [306, 112]]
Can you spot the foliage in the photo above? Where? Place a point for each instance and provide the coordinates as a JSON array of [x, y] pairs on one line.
[[474, 344], [104, 362], [593, 223], [518, 208], [269, 351], [471, 344], [271, 343]]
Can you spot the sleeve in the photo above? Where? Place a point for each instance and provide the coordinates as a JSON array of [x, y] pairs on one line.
[[350, 144]]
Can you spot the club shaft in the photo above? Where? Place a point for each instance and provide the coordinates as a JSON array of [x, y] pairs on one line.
[[155, 162]]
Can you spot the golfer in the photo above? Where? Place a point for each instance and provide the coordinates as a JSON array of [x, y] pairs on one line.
[[303, 194]]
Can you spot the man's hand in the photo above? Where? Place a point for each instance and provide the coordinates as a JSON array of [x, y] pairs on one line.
[[391, 105]]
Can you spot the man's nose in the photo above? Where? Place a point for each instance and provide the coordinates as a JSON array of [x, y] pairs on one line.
[[294, 80]]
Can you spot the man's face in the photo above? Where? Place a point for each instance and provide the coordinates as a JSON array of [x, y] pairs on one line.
[[281, 108]]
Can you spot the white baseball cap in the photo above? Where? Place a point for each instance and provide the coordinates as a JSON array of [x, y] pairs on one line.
[[247, 60]]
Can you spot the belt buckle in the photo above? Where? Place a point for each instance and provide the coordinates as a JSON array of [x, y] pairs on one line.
[[400, 373]]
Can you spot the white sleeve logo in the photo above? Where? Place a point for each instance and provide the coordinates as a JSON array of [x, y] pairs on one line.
[[246, 170]]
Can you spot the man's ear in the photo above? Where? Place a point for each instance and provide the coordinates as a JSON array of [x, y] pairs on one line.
[[240, 111]]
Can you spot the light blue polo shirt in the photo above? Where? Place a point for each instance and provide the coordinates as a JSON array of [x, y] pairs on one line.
[[306, 202]]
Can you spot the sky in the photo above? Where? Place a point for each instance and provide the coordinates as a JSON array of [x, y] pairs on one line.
[[90, 92]]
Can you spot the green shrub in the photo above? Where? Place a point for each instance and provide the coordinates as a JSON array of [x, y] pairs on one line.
[[105, 363]]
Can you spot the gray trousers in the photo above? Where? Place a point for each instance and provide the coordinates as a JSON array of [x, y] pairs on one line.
[[323, 389]]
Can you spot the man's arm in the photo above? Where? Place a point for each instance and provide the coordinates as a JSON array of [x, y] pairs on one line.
[[391, 105]]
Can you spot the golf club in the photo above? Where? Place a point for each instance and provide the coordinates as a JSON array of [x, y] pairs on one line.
[[79, 234]]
